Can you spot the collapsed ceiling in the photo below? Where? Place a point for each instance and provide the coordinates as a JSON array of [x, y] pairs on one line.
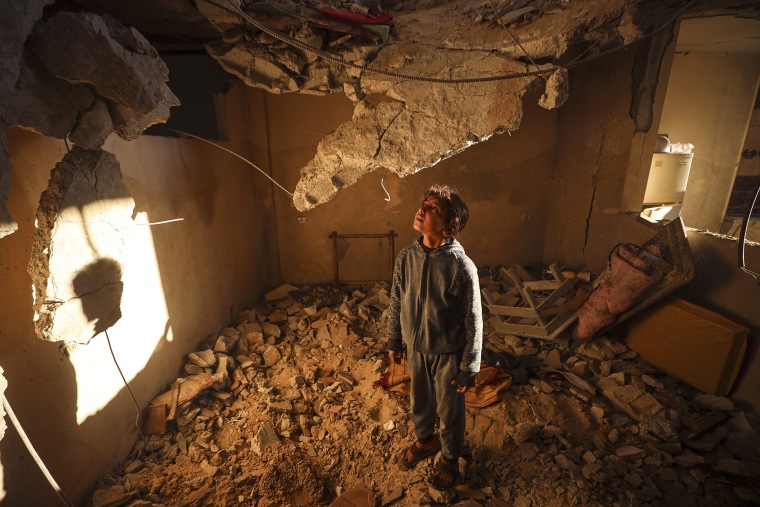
[[428, 78]]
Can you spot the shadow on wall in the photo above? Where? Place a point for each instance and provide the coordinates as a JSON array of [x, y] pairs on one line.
[[100, 303]]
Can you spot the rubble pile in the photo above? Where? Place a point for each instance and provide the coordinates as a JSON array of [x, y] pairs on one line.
[[281, 410]]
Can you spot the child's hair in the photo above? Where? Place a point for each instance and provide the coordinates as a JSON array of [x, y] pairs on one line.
[[457, 213]]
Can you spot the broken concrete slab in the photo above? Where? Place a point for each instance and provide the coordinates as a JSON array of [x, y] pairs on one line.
[[93, 128], [17, 19], [115, 60], [42, 102], [83, 222]]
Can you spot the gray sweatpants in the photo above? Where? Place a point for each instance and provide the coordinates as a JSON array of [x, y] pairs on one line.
[[432, 392]]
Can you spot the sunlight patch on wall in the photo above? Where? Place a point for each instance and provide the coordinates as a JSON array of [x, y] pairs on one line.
[[134, 338]]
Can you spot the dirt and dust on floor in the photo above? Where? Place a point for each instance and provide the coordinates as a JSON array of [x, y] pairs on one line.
[[283, 409]]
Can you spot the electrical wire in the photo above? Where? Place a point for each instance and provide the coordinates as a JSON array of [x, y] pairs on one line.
[[335, 59], [30, 448], [231, 153], [137, 417], [498, 20], [382, 184], [163, 221], [340, 61]]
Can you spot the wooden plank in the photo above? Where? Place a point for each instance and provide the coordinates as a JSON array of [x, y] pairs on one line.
[[486, 296], [565, 289], [554, 270], [514, 311], [543, 285], [522, 330]]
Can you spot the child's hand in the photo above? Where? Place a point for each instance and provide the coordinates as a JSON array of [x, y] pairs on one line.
[[460, 388]]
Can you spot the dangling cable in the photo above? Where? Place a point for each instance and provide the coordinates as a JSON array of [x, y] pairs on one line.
[[231, 153], [30, 448], [137, 417], [382, 184]]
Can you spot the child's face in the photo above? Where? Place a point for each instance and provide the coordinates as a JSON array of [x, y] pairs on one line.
[[430, 218]]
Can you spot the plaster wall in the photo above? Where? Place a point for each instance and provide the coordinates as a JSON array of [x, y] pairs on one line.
[[709, 102], [722, 287], [594, 149], [181, 282], [503, 181]]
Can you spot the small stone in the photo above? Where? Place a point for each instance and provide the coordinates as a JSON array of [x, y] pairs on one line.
[[553, 360], [597, 413], [652, 382], [266, 436], [359, 351], [614, 435], [392, 497], [689, 459], [271, 355], [712, 402], [629, 451], [204, 358]]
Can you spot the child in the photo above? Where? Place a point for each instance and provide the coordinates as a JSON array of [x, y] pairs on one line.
[[435, 313]]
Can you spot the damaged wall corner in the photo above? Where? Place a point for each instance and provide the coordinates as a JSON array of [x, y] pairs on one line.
[[7, 224], [83, 221]]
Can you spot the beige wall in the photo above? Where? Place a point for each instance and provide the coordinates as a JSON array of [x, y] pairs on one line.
[[180, 281], [503, 181], [594, 147], [722, 287], [709, 102]]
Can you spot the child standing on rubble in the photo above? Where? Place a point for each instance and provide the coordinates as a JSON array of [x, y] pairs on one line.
[[435, 314]]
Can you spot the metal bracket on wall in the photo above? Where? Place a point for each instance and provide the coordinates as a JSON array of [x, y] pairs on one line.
[[390, 235]]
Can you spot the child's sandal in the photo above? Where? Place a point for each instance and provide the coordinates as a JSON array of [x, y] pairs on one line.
[[413, 454], [445, 476]]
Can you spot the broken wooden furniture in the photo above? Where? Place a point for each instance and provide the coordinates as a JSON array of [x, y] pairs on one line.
[[530, 307]]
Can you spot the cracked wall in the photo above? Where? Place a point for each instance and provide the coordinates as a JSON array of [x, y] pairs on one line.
[[83, 221]]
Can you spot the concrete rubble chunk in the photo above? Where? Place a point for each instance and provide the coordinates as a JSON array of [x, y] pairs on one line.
[[557, 90], [280, 292], [17, 19], [203, 358], [93, 128], [192, 386], [265, 436], [43, 103], [83, 222], [712, 402], [111, 497], [115, 60], [319, 404], [271, 356]]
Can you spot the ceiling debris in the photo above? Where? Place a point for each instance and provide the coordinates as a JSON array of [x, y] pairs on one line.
[[79, 76], [83, 223], [283, 408]]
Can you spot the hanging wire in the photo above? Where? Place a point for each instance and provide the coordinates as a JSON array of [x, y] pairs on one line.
[[137, 417], [498, 19], [231, 153], [382, 184], [162, 222], [35, 456], [340, 61], [335, 59]]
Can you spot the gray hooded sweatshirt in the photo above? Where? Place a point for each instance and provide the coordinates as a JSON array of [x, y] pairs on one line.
[[435, 305]]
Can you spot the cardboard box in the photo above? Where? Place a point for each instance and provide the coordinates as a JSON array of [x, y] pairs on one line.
[[690, 343]]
